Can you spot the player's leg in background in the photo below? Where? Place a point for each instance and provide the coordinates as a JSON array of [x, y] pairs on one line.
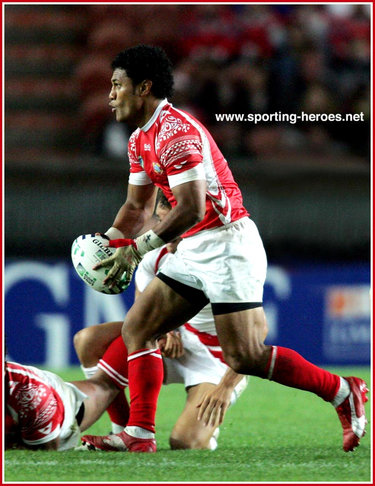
[[90, 344], [101, 391], [188, 432]]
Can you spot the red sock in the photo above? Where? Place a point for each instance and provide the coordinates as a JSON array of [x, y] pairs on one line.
[[115, 364], [145, 379], [289, 368], [118, 411]]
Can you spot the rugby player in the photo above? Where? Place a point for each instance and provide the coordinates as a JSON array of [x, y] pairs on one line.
[[192, 356], [220, 260]]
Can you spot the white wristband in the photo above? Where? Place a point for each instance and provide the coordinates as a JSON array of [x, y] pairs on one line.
[[148, 241], [114, 233]]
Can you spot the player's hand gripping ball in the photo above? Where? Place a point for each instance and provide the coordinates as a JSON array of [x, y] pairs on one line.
[[89, 250]]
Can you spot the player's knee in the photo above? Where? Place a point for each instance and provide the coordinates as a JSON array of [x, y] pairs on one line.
[[178, 443], [185, 441], [247, 361], [237, 362], [80, 341], [86, 346]]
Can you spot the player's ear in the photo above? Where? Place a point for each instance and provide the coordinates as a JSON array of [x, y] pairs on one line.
[[144, 88]]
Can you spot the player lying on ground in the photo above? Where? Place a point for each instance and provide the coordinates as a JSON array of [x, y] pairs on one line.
[[43, 411], [192, 356], [220, 260]]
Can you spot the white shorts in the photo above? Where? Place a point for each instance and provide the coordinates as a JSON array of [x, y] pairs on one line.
[[71, 433], [197, 365], [228, 264]]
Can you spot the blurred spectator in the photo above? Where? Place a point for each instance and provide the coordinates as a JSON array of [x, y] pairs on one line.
[[244, 59]]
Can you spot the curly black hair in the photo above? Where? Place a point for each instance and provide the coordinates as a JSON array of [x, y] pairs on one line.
[[147, 62]]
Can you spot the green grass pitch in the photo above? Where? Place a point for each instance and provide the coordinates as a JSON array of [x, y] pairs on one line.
[[272, 434]]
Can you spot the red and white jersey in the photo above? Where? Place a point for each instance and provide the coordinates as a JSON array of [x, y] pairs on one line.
[[174, 148], [42, 405], [202, 324]]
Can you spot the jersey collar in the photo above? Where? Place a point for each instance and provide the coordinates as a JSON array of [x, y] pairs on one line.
[[152, 120]]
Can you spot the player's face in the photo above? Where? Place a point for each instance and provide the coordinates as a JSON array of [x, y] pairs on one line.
[[123, 98]]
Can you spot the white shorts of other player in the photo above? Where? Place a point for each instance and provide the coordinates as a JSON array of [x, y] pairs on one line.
[[228, 263], [197, 365], [204, 320], [70, 433]]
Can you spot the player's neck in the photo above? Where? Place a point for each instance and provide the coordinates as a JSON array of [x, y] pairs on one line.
[[148, 110]]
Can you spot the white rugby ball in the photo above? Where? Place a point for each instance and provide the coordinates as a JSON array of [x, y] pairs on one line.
[[87, 251]]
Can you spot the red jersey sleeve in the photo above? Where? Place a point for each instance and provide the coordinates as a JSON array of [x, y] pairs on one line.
[[179, 144]]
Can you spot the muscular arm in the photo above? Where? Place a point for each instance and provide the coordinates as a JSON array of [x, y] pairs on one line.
[[137, 210]]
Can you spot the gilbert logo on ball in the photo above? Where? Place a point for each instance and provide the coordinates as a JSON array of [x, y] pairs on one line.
[[89, 250]]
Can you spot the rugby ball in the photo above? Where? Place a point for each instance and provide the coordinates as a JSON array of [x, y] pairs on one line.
[[87, 251]]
